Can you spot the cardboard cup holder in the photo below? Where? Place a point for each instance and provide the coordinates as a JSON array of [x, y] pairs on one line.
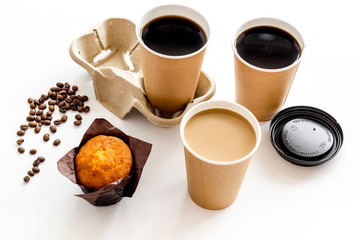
[[110, 53]]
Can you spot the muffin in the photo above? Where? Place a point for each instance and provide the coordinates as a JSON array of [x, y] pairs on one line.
[[101, 161]]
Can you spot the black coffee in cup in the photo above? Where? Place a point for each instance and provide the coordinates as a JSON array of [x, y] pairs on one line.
[[268, 47], [173, 35]]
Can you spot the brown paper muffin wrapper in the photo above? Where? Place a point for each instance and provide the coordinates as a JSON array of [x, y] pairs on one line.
[[115, 191]]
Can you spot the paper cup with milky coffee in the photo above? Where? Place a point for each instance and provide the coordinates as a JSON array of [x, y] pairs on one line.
[[213, 184], [170, 81], [264, 91]]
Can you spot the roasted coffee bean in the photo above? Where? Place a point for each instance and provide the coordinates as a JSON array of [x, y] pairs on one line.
[[68, 100], [80, 103], [41, 158], [62, 110], [32, 105], [60, 98], [67, 85], [38, 118], [85, 98], [46, 122], [32, 124], [53, 129], [74, 108], [41, 100], [74, 88], [55, 89], [49, 118], [51, 108], [70, 92], [32, 151], [63, 92], [36, 163], [46, 137], [77, 122], [30, 100], [51, 102], [80, 109], [64, 118], [43, 116], [86, 109], [40, 123], [48, 113], [24, 127], [32, 112], [67, 106], [61, 104], [39, 112], [20, 133], [56, 142], [35, 169], [78, 117], [21, 150], [37, 129], [20, 141], [57, 122], [57, 101], [30, 173], [36, 101], [44, 96], [42, 106], [26, 179], [30, 118], [59, 84]]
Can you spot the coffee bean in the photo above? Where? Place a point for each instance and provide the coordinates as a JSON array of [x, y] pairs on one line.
[[60, 98], [42, 106], [36, 101], [55, 89], [67, 85], [20, 133], [80, 109], [57, 101], [63, 92], [61, 104], [21, 150], [74, 88], [32, 151], [51, 102], [37, 129], [26, 179], [36, 163], [30, 118], [35, 169], [68, 100], [53, 129], [46, 122], [41, 159], [64, 118], [59, 84], [77, 122], [39, 112], [32, 105], [32, 124], [30, 173], [20, 141], [43, 116], [49, 118], [62, 110], [24, 127], [30, 100], [51, 108], [44, 96], [38, 118], [32, 112], [57, 142], [70, 92], [48, 113], [86, 109], [41, 100], [46, 137], [57, 121]]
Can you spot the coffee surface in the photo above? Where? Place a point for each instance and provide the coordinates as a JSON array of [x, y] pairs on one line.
[[268, 47], [174, 36], [220, 135]]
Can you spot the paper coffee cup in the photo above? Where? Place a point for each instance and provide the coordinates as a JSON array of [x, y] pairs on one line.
[[264, 91], [215, 184], [170, 81]]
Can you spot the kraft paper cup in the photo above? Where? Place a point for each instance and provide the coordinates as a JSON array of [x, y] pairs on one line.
[[264, 91], [170, 81], [211, 184]]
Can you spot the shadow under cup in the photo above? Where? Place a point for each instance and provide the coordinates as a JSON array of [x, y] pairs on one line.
[[170, 81], [215, 184], [264, 91]]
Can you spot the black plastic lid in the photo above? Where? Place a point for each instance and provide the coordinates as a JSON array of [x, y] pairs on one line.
[[305, 136]]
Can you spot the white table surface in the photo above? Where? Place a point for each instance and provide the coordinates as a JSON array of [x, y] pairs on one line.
[[277, 200]]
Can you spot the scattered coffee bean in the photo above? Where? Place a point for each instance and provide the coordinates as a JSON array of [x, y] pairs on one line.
[[20, 133], [30, 173], [24, 127], [35, 169], [77, 122], [86, 108], [43, 116], [37, 129], [21, 150], [56, 142], [59, 84], [30, 100], [20, 141], [44, 96], [26, 179], [51, 108], [32, 151], [53, 129], [46, 137], [32, 112], [64, 118], [42, 106], [57, 122], [36, 163], [32, 105], [30, 118], [39, 112], [48, 113], [46, 122], [38, 118], [41, 158], [78, 117], [32, 124]]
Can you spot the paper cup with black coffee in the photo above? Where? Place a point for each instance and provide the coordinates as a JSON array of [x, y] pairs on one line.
[[173, 41], [219, 139], [267, 53]]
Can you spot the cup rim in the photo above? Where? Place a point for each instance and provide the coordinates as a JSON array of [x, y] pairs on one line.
[[205, 28], [232, 106], [267, 21]]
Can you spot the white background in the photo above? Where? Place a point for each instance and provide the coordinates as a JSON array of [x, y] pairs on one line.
[[277, 200]]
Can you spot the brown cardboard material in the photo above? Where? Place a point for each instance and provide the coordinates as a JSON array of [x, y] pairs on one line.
[[264, 91], [170, 81], [215, 185], [110, 52], [115, 191]]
